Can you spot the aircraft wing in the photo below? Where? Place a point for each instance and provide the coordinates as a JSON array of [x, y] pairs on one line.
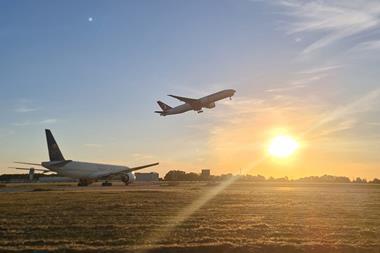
[[130, 170], [142, 167], [17, 168], [191, 101], [34, 164]]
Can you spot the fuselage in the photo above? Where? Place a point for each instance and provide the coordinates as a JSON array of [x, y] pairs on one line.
[[84, 170], [205, 102]]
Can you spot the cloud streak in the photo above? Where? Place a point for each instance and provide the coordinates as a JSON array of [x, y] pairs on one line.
[[41, 122], [24, 109], [368, 46], [332, 21], [5, 133], [93, 145], [367, 102], [305, 77]]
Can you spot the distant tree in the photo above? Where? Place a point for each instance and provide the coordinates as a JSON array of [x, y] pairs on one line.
[[325, 179], [358, 180], [192, 176], [225, 176], [260, 178], [175, 175], [375, 181], [179, 175], [252, 178]]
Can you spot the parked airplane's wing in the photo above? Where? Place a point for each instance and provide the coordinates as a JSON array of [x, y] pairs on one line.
[[34, 164], [17, 168], [129, 170], [191, 101], [142, 167]]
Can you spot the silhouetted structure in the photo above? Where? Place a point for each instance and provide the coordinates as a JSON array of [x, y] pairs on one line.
[[205, 174], [151, 176]]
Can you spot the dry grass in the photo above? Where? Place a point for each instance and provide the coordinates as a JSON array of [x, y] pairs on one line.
[[246, 217]]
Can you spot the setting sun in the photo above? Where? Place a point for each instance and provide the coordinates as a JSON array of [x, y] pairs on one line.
[[282, 146]]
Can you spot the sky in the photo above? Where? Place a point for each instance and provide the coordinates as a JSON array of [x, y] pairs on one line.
[[92, 71]]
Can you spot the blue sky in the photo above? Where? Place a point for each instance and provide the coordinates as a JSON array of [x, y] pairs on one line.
[[92, 71]]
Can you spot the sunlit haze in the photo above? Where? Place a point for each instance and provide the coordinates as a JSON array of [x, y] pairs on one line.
[[306, 75], [282, 146]]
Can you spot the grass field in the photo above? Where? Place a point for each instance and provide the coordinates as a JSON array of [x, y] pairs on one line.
[[245, 217]]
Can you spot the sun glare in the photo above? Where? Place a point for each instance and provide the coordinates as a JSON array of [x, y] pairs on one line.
[[282, 146]]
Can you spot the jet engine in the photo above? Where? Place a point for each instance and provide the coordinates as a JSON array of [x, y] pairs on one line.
[[210, 105], [128, 178]]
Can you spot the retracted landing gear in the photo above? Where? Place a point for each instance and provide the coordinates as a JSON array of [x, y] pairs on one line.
[[106, 183]]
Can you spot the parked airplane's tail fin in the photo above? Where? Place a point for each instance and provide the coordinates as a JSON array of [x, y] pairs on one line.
[[54, 152], [163, 106]]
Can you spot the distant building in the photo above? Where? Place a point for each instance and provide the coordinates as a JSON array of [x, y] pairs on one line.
[[152, 176], [205, 174]]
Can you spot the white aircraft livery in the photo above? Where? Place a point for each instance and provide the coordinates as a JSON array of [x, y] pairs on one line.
[[87, 173], [194, 104]]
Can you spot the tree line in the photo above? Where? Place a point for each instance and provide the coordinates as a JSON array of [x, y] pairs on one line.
[[179, 175]]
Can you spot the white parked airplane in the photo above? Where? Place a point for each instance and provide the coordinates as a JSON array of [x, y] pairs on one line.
[[194, 104], [87, 173]]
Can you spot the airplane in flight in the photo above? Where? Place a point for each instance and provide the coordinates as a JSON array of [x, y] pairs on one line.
[[194, 104], [87, 173]]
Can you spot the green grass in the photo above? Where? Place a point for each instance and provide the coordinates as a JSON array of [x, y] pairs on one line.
[[246, 217]]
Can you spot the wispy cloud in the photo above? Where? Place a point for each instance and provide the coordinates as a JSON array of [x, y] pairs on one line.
[[24, 109], [307, 80], [138, 156], [321, 69], [368, 45], [47, 121], [305, 77], [25, 106], [331, 21], [368, 102], [93, 145], [339, 126], [374, 123], [5, 132], [41, 122], [287, 88]]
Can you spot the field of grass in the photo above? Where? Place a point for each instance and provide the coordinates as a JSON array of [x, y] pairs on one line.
[[245, 217]]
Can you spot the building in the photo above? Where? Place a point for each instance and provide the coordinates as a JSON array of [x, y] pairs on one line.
[[152, 176], [205, 174]]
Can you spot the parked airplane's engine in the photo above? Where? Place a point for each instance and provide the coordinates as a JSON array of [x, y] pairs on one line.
[[210, 105], [128, 178]]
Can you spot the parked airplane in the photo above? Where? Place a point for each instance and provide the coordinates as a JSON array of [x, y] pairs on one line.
[[194, 104], [87, 173]]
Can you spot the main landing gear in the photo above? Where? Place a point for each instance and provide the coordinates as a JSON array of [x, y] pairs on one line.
[[106, 183], [83, 182]]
